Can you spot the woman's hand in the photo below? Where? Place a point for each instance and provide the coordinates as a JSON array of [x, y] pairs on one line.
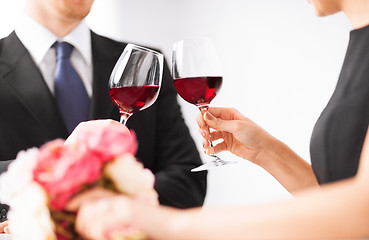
[[246, 139], [103, 214], [4, 228], [239, 134], [105, 217]]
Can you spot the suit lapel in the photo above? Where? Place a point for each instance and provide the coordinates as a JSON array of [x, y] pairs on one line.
[[105, 53], [29, 87]]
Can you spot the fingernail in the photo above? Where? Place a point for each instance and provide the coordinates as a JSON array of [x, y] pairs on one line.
[[208, 116], [203, 134], [200, 124]]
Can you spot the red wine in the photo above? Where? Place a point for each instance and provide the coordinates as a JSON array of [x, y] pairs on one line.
[[133, 99], [198, 90]]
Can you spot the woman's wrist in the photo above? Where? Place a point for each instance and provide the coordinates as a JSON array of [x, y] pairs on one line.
[[159, 221], [266, 151]]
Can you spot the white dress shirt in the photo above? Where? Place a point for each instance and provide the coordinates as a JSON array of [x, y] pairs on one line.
[[38, 41]]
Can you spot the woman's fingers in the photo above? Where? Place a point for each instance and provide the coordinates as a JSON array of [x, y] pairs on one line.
[[219, 147], [87, 224], [216, 135], [200, 121], [90, 224], [4, 226], [93, 194], [211, 136], [219, 124]]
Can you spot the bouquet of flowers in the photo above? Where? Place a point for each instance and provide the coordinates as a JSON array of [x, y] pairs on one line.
[[40, 182]]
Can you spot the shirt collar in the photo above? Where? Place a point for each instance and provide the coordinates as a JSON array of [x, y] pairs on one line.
[[80, 38], [38, 39]]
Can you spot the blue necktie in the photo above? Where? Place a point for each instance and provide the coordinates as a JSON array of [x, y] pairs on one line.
[[70, 93]]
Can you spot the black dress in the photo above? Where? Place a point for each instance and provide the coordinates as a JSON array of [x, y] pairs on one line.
[[339, 133]]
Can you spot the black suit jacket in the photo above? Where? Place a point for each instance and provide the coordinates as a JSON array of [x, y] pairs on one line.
[[30, 117]]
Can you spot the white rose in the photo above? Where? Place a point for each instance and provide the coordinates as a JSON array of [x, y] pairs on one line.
[[29, 217], [18, 176], [129, 175]]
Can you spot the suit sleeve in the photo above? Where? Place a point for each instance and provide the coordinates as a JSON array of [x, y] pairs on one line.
[[176, 184], [4, 166], [3, 207]]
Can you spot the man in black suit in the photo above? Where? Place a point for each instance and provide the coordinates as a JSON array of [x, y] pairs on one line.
[[30, 116]]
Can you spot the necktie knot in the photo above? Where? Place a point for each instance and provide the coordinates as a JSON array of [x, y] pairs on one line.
[[63, 50]]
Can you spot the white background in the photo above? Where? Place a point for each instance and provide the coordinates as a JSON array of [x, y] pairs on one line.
[[280, 64]]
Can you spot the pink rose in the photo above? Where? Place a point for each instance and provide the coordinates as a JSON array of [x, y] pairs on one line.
[[107, 138], [63, 170]]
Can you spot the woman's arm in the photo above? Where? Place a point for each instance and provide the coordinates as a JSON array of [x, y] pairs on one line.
[[335, 211], [246, 139]]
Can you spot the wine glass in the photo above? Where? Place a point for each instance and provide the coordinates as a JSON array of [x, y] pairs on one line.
[[198, 77], [135, 81]]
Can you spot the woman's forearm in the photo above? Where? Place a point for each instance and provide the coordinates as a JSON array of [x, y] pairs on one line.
[[336, 211], [289, 169]]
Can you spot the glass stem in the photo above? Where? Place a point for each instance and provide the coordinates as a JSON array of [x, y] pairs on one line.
[[215, 159], [203, 110], [124, 117]]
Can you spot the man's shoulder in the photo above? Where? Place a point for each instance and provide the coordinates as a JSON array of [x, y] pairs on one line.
[[9, 47], [103, 40], [3, 41], [6, 37], [107, 41]]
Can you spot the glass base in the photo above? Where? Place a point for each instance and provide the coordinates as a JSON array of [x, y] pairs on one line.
[[214, 162]]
